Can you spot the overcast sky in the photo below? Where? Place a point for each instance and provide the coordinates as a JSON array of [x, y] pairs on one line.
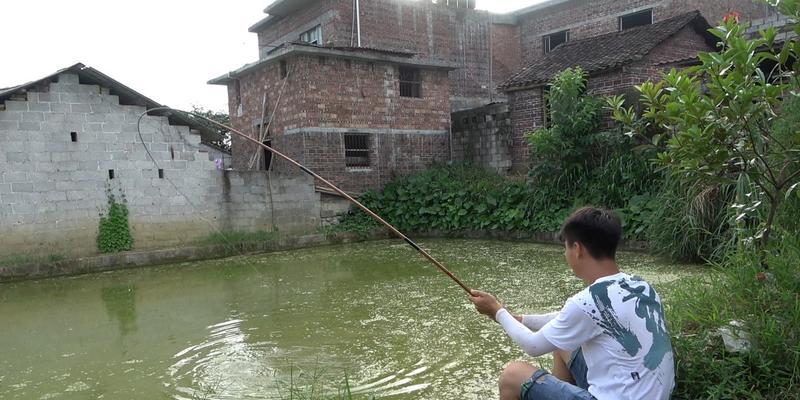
[[164, 49]]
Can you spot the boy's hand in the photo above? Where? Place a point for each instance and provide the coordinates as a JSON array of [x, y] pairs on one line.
[[485, 303]]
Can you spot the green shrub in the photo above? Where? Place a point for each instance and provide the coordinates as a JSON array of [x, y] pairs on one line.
[[114, 233], [769, 307]]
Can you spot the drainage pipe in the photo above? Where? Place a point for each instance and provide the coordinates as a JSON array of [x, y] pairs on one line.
[[358, 22]]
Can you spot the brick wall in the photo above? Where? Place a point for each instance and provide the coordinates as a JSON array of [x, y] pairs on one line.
[[288, 29], [472, 40], [525, 107], [325, 97], [483, 137], [53, 190], [591, 18], [392, 154]]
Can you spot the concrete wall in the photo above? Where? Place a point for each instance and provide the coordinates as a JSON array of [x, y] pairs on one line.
[[483, 137], [53, 190]]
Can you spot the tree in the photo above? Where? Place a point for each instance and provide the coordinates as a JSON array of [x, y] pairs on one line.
[[732, 119], [220, 117]]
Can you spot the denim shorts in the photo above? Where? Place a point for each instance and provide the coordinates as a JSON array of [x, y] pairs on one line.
[[543, 386]]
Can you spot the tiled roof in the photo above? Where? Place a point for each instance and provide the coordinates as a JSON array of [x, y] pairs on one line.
[[603, 52]]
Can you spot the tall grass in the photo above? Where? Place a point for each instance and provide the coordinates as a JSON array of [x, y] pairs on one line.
[[768, 304]]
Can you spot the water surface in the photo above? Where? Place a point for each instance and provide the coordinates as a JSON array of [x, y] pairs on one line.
[[251, 327]]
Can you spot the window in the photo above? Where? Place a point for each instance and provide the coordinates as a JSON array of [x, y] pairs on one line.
[[410, 82], [160, 173], [284, 69], [111, 174], [356, 150], [554, 39], [636, 19], [312, 36], [73, 136]]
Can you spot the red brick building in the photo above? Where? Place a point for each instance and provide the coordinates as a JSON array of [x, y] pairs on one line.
[[362, 95], [615, 62], [357, 116]]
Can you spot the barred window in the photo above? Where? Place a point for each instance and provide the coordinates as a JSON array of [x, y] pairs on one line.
[[356, 150], [410, 82]]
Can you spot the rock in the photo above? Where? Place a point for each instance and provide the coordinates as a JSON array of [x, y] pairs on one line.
[[736, 339]]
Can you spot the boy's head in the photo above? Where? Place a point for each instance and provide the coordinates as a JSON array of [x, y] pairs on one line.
[[591, 231]]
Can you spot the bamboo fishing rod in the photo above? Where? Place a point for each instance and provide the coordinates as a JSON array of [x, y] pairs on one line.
[[333, 187]]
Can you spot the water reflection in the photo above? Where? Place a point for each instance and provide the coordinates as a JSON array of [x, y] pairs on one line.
[[120, 303]]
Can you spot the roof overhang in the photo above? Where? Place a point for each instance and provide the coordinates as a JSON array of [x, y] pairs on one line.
[[357, 54], [540, 6], [283, 8], [277, 10]]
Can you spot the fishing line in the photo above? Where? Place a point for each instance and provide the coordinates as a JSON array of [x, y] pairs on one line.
[[333, 187]]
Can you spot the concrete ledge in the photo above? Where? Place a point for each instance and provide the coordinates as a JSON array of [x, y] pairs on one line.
[[137, 259]]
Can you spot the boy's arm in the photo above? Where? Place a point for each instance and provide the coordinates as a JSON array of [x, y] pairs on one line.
[[533, 343], [535, 322]]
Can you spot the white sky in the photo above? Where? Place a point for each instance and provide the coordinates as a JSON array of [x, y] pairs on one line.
[[164, 49]]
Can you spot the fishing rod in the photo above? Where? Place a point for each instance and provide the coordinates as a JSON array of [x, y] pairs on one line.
[[333, 187]]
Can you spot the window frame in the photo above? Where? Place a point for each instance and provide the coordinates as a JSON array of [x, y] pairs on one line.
[[547, 40], [312, 36], [410, 88], [357, 150], [621, 17]]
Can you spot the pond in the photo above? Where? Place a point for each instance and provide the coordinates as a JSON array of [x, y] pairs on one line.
[[373, 316]]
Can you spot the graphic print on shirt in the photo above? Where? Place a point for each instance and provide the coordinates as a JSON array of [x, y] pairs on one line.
[[608, 320], [649, 309]]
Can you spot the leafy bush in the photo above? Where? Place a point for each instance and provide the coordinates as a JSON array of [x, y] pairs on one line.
[[114, 233], [452, 199], [730, 121]]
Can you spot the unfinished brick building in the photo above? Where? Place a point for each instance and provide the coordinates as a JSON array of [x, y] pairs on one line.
[[357, 116], [351, 63]]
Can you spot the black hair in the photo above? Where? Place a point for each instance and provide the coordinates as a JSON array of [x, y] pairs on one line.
[[597, 229]]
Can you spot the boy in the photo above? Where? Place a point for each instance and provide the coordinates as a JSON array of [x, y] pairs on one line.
[[609, 342]]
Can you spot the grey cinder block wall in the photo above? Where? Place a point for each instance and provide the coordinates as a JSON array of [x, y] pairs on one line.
[[482, 137], [58, 146]]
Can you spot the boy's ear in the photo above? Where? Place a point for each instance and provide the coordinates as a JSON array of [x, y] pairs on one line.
[[579, 249]]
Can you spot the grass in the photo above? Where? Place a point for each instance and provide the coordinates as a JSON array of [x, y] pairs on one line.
[[768, 304]]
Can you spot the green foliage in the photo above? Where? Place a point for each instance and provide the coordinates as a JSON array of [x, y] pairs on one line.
[[690, 222], [114, 233], [577, 163], [730, 121], [220, 117], [455, 198], [769, 308]]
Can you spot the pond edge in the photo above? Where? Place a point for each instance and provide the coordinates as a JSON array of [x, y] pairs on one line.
[[154, 257]]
